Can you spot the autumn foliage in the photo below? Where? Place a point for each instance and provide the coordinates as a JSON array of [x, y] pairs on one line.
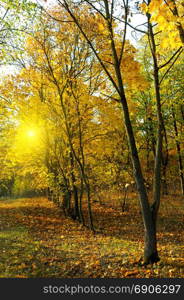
[[91, 129]]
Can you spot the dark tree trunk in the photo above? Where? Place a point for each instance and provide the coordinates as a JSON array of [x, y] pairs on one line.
[[76, 203], [80, 202], [180, 163], [178, 24], [66, 205], [165, 161], [150, 247]]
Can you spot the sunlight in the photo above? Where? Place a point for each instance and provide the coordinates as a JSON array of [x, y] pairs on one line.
[[28, 135], [31, 133]]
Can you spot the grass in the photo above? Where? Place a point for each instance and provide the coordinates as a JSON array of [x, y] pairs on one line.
[[36, 240]]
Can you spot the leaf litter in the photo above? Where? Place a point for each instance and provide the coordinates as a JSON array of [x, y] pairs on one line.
[[37, 240]]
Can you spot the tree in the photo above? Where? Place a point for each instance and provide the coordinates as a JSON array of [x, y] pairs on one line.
[[105, 11]]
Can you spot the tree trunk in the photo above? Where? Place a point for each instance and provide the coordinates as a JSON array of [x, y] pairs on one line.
[[160, 129], [178, 24], [150, 246], [75, 213], [76, 203], [89, 208], [182, 110], [66, 205], [165, 161], [124, 199], [180, 163], [80, 202]]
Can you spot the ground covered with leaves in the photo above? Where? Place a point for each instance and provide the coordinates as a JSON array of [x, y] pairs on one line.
[[37, 240]]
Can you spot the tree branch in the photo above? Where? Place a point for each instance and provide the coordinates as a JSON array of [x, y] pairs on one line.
[[170, 66], [165, 64], [65, 5]]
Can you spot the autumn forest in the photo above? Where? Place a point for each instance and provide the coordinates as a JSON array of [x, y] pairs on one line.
[[92, 138]]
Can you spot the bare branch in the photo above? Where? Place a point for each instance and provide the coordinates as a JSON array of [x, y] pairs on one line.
[[65, 5], [170, 66], [110, 97], [162, 66]]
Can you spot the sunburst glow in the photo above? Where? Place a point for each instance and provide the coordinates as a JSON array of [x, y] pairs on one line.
[[31, 133]]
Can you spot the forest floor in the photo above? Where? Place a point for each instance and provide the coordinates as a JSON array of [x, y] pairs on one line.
[[37, 240]]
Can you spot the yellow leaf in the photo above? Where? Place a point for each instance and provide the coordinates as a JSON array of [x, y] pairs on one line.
[[144, 7], [100, 26], [131, 273]]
